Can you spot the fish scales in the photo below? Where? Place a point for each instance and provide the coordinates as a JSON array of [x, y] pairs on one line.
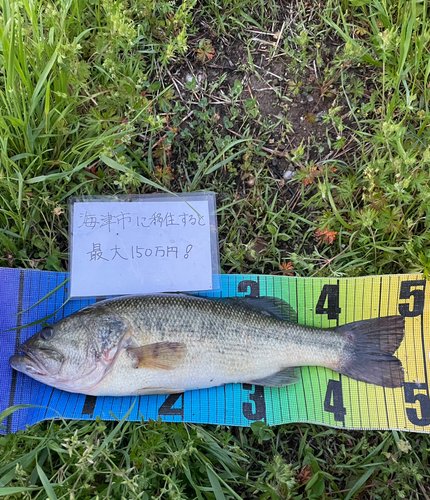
[[221, 341], [235, 330], [167, 343]]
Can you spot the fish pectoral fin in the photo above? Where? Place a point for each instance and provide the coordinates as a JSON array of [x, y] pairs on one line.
[[158, 356], [288, 376]]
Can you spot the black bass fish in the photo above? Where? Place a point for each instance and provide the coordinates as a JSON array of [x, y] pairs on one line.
[[171, 343]]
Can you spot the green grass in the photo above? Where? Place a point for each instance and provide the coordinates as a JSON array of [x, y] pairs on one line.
[[103, 97], [180, 461]]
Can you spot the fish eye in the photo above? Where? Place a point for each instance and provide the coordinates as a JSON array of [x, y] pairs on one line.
[[47, 333]]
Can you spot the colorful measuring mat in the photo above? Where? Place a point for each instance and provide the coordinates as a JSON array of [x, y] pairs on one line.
[[322, 396]]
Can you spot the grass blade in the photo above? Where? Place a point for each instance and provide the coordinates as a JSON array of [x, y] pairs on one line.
[[45, 297], [117, 166], [216, 484], [42, 79], [113, 433], [360, 483], [39, 321], [46, 484], [4, 492], [12, 409], [219, 495], [59, 175]]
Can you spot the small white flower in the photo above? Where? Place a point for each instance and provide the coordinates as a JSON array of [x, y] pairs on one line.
[[404, 446]]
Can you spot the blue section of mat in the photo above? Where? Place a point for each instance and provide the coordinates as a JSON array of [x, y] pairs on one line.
[[21, 289]]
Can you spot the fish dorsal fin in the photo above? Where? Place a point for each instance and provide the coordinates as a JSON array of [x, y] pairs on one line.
[[158, 356], [270, 306], [288, 376]]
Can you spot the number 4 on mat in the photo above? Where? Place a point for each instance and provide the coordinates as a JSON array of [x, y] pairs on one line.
[[330, 296], [333, 401]]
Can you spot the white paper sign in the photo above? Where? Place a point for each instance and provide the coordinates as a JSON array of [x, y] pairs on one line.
[[140, 247]]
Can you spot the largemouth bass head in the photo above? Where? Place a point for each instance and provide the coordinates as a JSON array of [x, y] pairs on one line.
[[75, 353]]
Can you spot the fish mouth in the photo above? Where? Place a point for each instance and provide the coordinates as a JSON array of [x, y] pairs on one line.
[[31, 361]]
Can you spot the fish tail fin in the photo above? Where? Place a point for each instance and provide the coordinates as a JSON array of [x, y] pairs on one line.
[[369, 352]]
